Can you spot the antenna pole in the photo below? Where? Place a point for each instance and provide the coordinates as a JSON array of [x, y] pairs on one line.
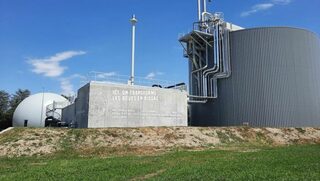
[[133, 21], [41, 117]]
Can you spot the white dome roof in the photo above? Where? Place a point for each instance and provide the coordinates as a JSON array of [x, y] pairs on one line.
[[33, 109]]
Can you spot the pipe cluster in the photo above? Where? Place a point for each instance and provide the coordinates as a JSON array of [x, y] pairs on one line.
[[207, 48]]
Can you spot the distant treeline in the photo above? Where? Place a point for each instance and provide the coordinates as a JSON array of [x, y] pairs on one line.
[[8, 104]]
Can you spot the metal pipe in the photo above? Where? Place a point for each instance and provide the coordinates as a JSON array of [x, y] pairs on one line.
[[199, 10], [197, 102], [198, 34], [206, 18], [200, 97], [199, 83], [204, 76], [193, 60], [191, 80], [206, 58], [194, 56], [227, 64], [219, 50], [225, 57], [216, 65], [214, 88], [217, 61], [204, 14], [207, 61], [133, 21], [223, 63]]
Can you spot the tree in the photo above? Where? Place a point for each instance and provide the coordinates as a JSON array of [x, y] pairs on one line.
[[18, 97], [4, 104], [10, 105]]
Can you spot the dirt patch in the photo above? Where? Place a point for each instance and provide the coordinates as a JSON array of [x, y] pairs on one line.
[[149, 176], [123, 141], [27, 142]]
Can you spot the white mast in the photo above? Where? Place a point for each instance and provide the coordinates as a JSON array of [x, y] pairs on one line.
[[133, 21]]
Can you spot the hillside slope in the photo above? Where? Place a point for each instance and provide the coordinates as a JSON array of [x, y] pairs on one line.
[[120, 141]]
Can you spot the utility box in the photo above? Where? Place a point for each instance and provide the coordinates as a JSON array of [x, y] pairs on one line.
[[102, 105]]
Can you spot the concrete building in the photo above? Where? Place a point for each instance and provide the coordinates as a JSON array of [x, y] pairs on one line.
[[101, 105]]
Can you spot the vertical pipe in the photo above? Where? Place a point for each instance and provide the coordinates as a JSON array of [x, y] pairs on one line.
[[204, 5], [133, 53], [199, 10], [133, 22], [42, 102], [194, 57]]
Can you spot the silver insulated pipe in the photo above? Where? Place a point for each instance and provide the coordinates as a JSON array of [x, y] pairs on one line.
[[204, 5], [202, 8], [199, 10]]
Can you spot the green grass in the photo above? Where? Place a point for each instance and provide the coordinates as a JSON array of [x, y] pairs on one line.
[[283, 163]]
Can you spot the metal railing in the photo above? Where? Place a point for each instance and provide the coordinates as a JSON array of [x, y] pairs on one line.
[[114, 78], [52, 109]]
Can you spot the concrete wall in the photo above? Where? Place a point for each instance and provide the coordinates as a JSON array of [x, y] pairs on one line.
[[68, 114], [82, 107], [113, 105], [100, 105]]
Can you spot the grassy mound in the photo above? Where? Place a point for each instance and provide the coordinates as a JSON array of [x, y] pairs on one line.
[[142, 141]]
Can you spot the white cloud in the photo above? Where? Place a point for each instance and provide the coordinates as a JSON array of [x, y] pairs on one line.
[[256, 8], [282, 2], [50, 66], [152, 75], [264, 6], [66, 87], [74, 76]]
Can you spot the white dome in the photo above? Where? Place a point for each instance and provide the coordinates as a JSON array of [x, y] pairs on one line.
[[33, 109]]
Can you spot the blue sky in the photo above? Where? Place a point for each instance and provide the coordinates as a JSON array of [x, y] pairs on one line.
[[53, 44]]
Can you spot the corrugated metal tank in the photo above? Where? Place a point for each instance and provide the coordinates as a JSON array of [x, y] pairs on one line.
[[275, 81]]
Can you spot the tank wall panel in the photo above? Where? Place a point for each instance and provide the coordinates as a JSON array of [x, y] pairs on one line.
[[275, 81]]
